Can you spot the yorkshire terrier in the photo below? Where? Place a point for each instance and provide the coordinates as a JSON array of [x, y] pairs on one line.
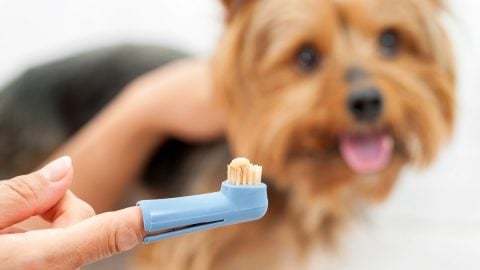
[[332, 97]]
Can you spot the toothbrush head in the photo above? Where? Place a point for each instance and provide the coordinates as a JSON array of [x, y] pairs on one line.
[[241, 172]]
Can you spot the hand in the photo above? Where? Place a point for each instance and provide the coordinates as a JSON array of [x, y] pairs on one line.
[[78, 237], [177, 100]]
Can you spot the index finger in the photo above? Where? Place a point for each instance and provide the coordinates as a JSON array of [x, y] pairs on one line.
[[103, 236], [69, 248]]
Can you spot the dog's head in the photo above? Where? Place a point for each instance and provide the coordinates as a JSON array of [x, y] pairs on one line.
[[328, 94]]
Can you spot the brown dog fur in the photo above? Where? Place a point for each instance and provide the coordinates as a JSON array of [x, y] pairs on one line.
[[290, 122]]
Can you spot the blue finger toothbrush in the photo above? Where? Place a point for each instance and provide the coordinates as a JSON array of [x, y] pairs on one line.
[[242, 198]]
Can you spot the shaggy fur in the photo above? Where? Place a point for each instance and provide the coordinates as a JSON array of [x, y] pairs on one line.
[[290, 121], [284, 116]]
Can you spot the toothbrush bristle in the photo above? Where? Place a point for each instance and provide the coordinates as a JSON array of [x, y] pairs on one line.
[[241, 172]]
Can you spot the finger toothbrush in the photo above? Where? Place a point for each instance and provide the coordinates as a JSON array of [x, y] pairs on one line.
[[242, 198]]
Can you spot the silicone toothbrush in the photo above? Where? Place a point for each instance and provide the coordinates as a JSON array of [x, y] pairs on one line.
[[242, 198]]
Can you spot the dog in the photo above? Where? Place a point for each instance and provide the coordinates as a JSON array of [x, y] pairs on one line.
[[332, 97]]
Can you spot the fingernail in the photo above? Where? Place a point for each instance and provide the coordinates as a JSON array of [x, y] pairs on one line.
[[57, 169]]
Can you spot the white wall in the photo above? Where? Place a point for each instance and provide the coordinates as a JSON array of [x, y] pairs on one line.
[[34, 31], [432, 220]]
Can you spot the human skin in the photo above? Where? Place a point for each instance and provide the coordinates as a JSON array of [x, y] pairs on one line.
[[77, 236], [111, 150], [108, 154]]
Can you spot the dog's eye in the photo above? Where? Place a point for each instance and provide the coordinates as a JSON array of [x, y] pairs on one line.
[[307, 58], [389, 42]]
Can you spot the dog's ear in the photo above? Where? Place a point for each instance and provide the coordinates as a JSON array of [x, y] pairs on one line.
[[232, 7]]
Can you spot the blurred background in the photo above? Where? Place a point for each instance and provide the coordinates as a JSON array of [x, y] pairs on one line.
[[432, 221]]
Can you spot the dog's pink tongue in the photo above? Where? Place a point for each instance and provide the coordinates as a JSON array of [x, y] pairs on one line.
[[367, 153]]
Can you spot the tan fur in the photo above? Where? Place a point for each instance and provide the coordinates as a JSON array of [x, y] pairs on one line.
[[279, 117]]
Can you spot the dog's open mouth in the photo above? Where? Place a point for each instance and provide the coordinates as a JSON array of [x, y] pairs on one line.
[[367, 153]]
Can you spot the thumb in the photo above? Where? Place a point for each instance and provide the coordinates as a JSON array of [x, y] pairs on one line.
[[29, 195]]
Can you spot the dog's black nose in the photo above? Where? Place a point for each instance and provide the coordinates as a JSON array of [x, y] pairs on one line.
[[365, 105]]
